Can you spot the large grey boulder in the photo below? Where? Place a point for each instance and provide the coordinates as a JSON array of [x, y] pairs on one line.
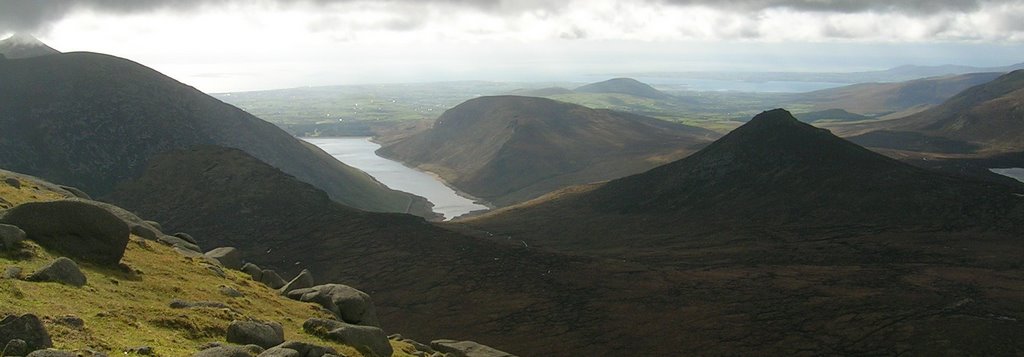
[[262, 334], [187, 237], [280, 352], [367, 339], [301, 281], [270, 278], [178, 243], [253, 270], [229, 257], [76, 192], [10, 236], [306, 349], [226, 351], [52, 353], [467, 349], [347, 303], [61, 270], [27, 328], [80, 229]]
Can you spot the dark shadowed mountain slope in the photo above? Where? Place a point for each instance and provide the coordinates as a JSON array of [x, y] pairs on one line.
[[988, 118], [425, 281], [785, 237], [510, 149], [886, 98], [93, 120], [624, 86], [772, 173], [24, 46]]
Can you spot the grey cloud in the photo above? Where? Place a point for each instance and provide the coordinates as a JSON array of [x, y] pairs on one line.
[[846, 6], [35, 15]]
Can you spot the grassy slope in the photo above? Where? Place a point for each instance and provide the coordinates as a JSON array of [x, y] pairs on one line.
[[123, 310]]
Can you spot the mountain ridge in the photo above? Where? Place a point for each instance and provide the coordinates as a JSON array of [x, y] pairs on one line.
[[93, 120], [507, 149]]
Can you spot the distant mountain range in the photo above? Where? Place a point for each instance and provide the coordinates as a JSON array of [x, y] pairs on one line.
[[896, 98], [624, 86], [896, 74], [94, 121], [985, 119], [24, 46], [509, 149]]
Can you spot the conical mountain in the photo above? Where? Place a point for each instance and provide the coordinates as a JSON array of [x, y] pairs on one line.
[[509, 149], [94, 121], [624, 86], [22, 45], [772, 172]]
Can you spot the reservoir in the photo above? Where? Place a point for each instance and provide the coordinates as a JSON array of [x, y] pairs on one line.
[[1015, 172], [358, 152]]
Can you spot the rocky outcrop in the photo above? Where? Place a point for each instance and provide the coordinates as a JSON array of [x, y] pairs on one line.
[[10, 236], [466, 349], [270, 278], [80, 229], [301, 281], [230, 351], [27, 328], [347, 303], [61, 270], [367, 339], [303, 349], [229, 257], [262, 334]]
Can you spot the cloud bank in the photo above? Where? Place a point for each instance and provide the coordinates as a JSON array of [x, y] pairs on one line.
[[649, 20]]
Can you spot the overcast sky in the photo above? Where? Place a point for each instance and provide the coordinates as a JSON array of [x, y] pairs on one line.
[[225, 45]]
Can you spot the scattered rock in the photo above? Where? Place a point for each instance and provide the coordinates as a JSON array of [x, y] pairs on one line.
[[52, 353], [156, 225], [262, 334], [271, 279], [71, 321], [229, 257], [253, 270], [182, 304], [178, 242], [13, 182], [15, 347], [367, 339], [229, 291], [301, 281], [280, 352], [76, 192], [144, 231], [347, 303], [187, 237], [11, 272], [10, 236], [418, 346], [27, 328], [141, 350], [80, 229], [467, 349], [225, 351], [61, 270], [307, 349]]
